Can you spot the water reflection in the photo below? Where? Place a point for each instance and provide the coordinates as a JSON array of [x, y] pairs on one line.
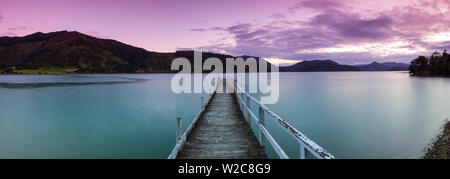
[[56, 84]]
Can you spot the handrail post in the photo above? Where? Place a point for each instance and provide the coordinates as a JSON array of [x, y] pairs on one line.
[[202, 101], [248, 109], [302, 151], [178, 130], [261, 120]]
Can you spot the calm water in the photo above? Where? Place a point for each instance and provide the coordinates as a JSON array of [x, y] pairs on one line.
[[351, 114], [72, 117]]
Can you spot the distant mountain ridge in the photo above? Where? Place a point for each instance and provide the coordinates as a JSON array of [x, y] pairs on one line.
[[317, 66], [386, 66], [73, 50], [77, 52], [65, 51]]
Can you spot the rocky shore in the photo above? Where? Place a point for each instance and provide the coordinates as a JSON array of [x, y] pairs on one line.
[[441, 146]]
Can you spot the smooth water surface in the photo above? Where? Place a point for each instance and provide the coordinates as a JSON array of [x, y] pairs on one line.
[[350, 114], [68, 116], [363, 114]]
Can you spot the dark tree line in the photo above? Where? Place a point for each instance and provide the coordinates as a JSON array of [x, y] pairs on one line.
[[436, 64]]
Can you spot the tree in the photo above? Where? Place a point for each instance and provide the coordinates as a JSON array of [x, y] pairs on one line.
[[436, 64], [445, 63]]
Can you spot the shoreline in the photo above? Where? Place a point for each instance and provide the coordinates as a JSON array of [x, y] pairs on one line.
[[429, 75], [191, 73], [440, 148]]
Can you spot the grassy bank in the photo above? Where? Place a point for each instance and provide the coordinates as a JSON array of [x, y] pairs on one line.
[[441, 146], [52, 70]]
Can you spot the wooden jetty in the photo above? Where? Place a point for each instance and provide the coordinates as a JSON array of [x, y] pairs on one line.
[[222, 131]]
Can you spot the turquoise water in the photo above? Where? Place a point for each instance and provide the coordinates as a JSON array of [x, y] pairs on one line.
[[364, 114], [133, 119], [351, 114]]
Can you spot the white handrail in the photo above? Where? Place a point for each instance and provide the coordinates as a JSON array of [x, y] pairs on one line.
[[183, 139], [306, 144], [269, 137]]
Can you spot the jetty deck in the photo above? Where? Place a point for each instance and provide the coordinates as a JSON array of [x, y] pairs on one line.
[[222, 130], [222, 133]]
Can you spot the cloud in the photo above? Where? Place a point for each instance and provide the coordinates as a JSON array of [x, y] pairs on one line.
[[16, 31], [218, 29], [184, 49], [353, 27], [346, 31], [208, 29], [322, 5], [98, 34], [19, 28], [239, 29], [198, 30], [11, 34], [278, 16]]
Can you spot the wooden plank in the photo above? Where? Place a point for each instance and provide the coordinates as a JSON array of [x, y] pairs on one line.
[[222, 132]]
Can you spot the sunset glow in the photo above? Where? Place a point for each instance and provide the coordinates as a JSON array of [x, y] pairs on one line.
[[281, 62], [347, 31], [379, 49], [438, 37]]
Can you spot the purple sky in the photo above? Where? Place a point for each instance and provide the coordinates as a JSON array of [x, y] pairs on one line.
[[347, 31]]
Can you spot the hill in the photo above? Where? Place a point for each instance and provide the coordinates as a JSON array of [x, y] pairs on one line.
[[387, 66], [63, 51], [316, 66]]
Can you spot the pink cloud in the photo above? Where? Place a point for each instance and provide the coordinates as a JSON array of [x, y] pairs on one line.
[[288, 29], [345, 23]]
